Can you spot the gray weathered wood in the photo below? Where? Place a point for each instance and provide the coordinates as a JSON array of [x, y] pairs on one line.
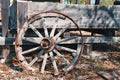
[[5, 16], [0, 10], [5, 12], [22, 8], [93, 39], [44, 62], [87, 16], [13, 14]]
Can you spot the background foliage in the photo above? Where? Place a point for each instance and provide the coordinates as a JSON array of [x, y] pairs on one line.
[[102, 2], [106, 2]]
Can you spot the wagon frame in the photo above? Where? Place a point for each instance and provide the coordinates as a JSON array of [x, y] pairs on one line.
[[50, 26]]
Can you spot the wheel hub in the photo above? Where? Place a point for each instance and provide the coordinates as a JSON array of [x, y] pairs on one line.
[[47, 44]]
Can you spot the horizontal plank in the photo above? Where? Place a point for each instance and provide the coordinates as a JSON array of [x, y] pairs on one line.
[[95, 39], [86, 16], [87, 40], [6, 41]]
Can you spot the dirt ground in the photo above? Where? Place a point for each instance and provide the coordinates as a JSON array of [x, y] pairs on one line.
[[86, 69]]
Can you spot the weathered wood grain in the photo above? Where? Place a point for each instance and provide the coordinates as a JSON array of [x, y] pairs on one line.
[[87, 40], [0, 10], [87, 16], [94, 39], [22, 8], [13, 14], [5, 16]]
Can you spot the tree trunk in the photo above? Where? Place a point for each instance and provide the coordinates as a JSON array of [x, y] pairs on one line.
[[87, 1], [97, 2]]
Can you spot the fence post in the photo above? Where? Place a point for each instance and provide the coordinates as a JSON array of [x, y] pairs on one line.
[[5, 16], [5, 13], [78, 1]]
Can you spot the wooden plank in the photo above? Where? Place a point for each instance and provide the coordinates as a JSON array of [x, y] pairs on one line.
[[13, 14], [6, 41], [95, 39], [5, 16], [87, 16], [87, 40], [22, 8], [0, 9], [0, 19]]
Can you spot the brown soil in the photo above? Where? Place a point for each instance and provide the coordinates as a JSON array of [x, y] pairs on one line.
[[86, 69]]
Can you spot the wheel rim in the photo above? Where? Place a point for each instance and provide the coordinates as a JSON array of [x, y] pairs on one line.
[[49, 44]]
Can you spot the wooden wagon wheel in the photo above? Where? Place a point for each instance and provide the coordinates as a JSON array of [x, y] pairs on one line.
[[52, 44]]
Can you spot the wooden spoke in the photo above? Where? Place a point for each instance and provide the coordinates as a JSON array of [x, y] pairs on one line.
[[68, 67], [35, 30], [36, 58], [66, 39], [61, 31], [53, 31], [21, 57], [54, 63], [66, 49], [19, 54], [31, 50], [46, 31], [44, 62], [61, 56], [31, 39]]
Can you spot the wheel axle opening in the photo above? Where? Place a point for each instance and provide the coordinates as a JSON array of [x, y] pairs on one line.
[[47, 44]]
